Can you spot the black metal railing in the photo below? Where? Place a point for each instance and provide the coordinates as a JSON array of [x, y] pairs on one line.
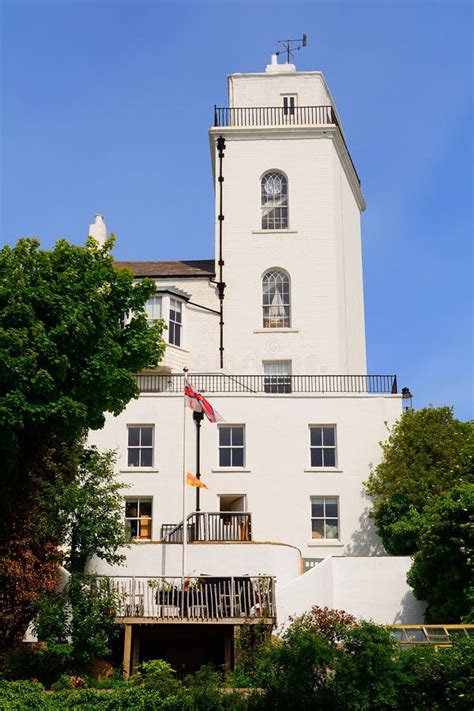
[[210, 526], [274, 116], [251, 384], [257, 116], [171, 599]]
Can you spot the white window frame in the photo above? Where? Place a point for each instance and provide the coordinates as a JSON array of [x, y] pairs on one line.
[[150, 308], [289, 110], [139, 518], [276, 273], [323, 446], [269, 203], [326, 539], [166, 300], [177, 324], [277, 382], [140, 447], [230, 425]]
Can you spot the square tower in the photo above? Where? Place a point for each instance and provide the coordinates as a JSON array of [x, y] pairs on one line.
[[291, 243]]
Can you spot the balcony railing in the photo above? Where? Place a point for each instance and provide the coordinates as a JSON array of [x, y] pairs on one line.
[[275, 116], [260, 116], [210, 526], [198, 599], [252, 384]]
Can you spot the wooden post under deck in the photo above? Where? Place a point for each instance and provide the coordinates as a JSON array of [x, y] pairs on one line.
[[127, 650], [228, 639]]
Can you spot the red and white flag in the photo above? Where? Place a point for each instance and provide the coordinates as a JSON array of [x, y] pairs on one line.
[[197, 402]]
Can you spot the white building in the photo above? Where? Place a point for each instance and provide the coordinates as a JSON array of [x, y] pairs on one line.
[[272, 332]]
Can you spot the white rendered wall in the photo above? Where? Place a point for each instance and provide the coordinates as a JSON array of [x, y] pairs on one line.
[[266, 89], [276, 479], [218, 559], [372, 588]]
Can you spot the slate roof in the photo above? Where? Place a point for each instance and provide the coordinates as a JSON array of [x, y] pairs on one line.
[[189, 268]]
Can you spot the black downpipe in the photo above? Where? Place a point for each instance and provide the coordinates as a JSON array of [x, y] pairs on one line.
[[220, 284]]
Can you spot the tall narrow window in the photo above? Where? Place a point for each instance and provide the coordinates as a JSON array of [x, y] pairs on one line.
[[231, 446], [289, 103], [323, 445], [274, 196], [176, 322], [276, 299], [140, 446], [138, 519], [277, 376]]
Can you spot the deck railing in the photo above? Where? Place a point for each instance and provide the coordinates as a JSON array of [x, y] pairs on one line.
[[278, 385], [210, 526], [204, 598]]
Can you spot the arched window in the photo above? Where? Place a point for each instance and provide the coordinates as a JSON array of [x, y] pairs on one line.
[[276, 299], [274, 195]]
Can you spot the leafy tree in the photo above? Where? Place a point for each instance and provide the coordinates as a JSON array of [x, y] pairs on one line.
[[90, 507], [330, 624], [442, 567], [72, 332], [427, 453]]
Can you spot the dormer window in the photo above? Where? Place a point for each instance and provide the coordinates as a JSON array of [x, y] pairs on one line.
[[274, 197]]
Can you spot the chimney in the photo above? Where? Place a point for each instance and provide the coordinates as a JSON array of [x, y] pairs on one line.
[[98, 230]]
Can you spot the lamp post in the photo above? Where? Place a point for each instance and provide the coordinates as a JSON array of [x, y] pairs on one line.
[[198, 417]]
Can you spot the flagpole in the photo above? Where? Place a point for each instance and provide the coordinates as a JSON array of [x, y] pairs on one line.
[[185, 527]]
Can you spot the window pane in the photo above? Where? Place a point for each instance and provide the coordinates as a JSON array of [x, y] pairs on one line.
[[224, 457], [146, 459], [131, 509], [332, 528], [133, 527], [317, 528], [316, 458], [145, 508], [328, 436], [133, 457], [329, 457], [238, 436], [316, 439], [238, 457], [147, 436], [133, 436], [224, 435], [331, 508], [317, 507]]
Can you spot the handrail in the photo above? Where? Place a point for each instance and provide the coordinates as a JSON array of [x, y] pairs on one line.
[[210, 526], [269, 384], [200, 598]]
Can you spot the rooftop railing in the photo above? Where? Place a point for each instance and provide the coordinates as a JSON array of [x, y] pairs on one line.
[[270, 384], [263, 116], [196, 599]]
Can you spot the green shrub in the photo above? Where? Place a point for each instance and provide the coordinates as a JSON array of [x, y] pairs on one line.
[[21, 696], [158, 676], [366, 673]]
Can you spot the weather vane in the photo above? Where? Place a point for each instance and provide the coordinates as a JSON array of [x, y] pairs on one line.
[[292, 45]]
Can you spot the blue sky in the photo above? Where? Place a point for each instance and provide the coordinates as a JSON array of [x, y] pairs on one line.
[[106, 106]]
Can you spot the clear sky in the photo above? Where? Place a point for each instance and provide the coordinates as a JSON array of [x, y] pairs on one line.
[[106, 106]]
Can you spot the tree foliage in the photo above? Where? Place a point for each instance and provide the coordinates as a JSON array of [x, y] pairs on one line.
[[442, 570], [90, 511], [423, 506], [72, 332], [427, 453]]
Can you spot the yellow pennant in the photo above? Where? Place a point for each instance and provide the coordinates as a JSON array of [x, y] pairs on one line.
[[192, 480]]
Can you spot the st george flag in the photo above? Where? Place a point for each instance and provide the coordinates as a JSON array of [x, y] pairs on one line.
[[198, 403], [192, 480]]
